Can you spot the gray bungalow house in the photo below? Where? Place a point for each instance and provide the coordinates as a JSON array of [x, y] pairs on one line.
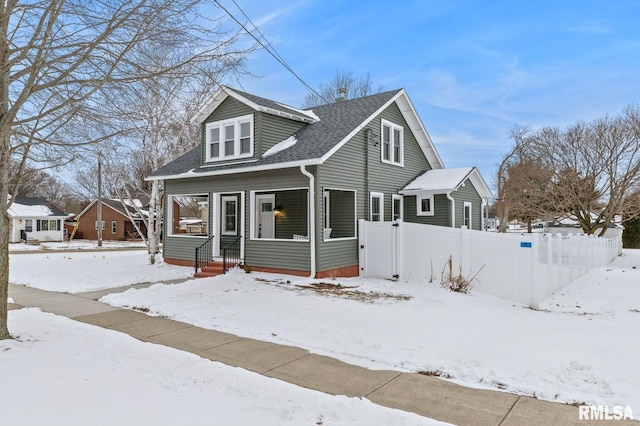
[[288, 186]]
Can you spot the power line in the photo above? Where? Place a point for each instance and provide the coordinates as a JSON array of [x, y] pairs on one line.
[[268, 47]]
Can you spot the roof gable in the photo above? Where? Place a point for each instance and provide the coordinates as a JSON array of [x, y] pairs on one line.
[[254, 102]]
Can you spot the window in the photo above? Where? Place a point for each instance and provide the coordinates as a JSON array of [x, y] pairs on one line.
[[392, 143], [396, 207], [467, 214], [229, 139], [425, 205], [229, 215], [114, 227], [96, 225], [376, 207], [281, 214], [28, 225], [339, 214], [188, 215]]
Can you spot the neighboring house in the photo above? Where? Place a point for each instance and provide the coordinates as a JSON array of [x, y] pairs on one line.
[[116, 224], [35, 219], [291, 184]]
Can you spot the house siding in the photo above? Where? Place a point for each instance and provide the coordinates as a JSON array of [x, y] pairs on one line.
[[468, 192], [294, 255], [346, 170], [274, 130], [442, 211]]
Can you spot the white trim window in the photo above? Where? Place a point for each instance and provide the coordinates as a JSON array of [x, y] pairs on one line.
[[424, 205], [114, 226], [230, 215], [376, 207], [392, 147], [229, 139], [467, 217], [396, 207], [188, 215]]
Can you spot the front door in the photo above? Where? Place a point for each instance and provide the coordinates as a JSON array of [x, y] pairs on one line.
[[264, 216]]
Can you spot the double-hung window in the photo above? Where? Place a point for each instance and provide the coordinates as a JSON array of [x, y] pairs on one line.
[[230, 215], [229, 139], [392, 143]]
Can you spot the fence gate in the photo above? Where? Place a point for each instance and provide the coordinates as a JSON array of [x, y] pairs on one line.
[[378, 242]]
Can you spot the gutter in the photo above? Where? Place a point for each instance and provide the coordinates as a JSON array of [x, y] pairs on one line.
[[312, 219]]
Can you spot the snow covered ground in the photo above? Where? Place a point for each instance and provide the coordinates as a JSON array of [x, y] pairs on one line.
[[61, 372], [76, 272], [74, 245], [580, 346]]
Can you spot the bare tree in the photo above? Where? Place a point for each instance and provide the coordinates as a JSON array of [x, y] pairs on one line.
[[594, 168], [355, 87], [58, 58]]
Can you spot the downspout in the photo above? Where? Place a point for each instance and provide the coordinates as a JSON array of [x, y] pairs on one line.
[[453, 209], [485, 214], [367, 139], [312, 219]]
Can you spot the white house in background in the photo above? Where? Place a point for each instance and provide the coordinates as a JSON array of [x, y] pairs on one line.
[[35, 219]]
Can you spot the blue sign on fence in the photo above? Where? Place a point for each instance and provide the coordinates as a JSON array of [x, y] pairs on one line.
[[525, 244]]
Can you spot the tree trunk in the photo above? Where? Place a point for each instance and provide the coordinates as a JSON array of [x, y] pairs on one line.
[[5, 233], [152, 228]]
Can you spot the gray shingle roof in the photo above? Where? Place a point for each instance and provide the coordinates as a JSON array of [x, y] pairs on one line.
[[337, 121]]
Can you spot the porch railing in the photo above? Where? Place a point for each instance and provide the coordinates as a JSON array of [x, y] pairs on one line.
[[231, 255], [204, 254]]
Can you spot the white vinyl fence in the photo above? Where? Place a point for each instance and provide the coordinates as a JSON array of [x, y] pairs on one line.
[[524, 268]]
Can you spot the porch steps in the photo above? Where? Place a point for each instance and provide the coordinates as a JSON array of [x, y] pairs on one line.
[[211, 270]]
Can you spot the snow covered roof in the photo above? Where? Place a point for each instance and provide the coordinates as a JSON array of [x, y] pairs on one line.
[[440, 181], [34, 207]]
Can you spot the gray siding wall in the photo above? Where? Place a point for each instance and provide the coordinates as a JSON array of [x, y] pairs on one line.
[[442, 211], [468, 193], [268, 129], [290, 254], [346, 170]]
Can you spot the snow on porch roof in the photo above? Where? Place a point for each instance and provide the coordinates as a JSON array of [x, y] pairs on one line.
[[445, 180]]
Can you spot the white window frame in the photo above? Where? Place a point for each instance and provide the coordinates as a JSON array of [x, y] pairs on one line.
[[103, 225], [392, 143], [466, 218], [329, 238], [377, 195], [394, 213], [419, 211], [225, 200], [253, 212], [236, 122], [169, 219], [114, 226]]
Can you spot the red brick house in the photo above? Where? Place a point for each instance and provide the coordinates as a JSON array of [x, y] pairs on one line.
[[116, 224]]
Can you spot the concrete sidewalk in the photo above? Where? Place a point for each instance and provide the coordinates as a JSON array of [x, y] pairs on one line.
[[424, 395]]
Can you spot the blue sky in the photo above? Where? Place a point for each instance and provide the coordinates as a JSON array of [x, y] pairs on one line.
[[472, 69]]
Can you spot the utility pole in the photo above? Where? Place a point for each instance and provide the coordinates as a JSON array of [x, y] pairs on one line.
[[99, 225]]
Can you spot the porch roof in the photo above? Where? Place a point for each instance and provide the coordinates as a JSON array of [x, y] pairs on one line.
[[442, 181]]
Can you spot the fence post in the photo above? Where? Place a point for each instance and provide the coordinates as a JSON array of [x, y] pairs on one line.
[[362, 247], [535, 265]]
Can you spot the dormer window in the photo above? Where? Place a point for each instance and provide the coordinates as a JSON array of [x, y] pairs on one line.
[[392, 143], [229, 139]]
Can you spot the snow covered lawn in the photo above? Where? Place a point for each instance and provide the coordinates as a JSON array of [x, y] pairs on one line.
[[76, 272], [61, 372], [581, 346]]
